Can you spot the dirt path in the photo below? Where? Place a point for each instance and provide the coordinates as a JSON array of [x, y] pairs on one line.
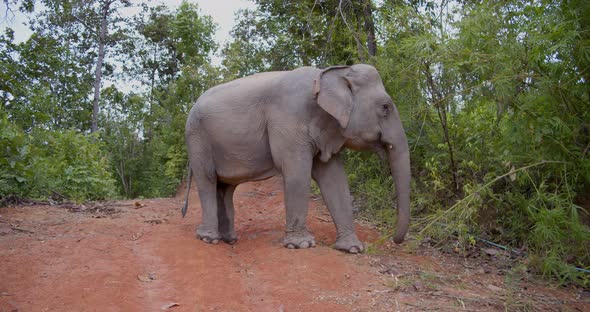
[[146, 258]]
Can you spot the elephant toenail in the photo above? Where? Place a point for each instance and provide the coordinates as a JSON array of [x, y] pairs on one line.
[[304, 245], [354, 250], [290, 246], [312, 243], [215, 241]]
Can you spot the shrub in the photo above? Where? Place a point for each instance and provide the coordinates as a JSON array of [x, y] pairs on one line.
[[42, 163], [15, 171], [72, 164]]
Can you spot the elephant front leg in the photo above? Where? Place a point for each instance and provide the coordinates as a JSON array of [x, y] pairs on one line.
[[297, 181], [333, 183]]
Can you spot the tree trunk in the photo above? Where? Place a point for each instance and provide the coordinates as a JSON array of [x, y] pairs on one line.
[[98, 74], [370, 28], [149, 132], [437, 99], [345, 10], [121, 171]]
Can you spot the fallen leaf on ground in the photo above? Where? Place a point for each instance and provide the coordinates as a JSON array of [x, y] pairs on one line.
[[494, 287], [136, 236], [418, 286], [146, 278], [492, 251], [5, 229], [169, 305]]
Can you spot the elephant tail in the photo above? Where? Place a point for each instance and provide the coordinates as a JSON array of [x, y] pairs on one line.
[[188, 188]]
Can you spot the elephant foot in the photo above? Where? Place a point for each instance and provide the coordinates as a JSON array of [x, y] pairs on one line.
[[229, 238], [298, 239], [208, 236], [349, 243]]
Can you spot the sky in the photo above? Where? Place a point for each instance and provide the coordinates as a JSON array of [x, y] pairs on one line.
[[222, 12]]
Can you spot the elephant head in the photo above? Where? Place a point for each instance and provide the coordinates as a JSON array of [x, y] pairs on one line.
[[368, 120]]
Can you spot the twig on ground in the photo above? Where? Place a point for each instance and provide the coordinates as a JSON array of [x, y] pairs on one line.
[[60, 195], [22, 230], [322, 219], [490, 300]]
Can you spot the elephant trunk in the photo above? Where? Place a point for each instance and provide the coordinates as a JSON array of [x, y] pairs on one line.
[[399, 162]]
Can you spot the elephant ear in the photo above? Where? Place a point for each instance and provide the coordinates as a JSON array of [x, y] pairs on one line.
[[333, 91]]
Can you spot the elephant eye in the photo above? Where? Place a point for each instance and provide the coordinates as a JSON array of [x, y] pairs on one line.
[[385, 108]]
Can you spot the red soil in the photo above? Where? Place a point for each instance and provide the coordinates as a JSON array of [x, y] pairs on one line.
[[146, 258]]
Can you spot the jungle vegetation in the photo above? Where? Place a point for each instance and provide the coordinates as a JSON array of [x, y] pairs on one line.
[[494, 97]]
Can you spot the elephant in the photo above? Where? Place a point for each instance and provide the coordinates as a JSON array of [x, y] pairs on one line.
[[294, 123]]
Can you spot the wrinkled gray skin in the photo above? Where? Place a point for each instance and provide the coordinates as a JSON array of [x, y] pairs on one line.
[[294, 123]]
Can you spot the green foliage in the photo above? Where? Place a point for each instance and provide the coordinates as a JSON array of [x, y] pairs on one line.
[[15, 170], [45, 85], [71, 164], [282, 35], [494, 98], [46, 162], [502, 81], [193, 34], [145, 132], [371, 186]]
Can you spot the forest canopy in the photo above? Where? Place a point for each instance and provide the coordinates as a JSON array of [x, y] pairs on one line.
[[494, 97]]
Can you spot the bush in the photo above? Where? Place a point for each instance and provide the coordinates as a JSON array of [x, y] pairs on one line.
[[15, 171], [71, 164], [47, 162]]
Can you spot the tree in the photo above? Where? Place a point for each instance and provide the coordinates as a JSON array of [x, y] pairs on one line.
[[86, 25], [45, 86], [145, 133], [281, 35], [167, 42]]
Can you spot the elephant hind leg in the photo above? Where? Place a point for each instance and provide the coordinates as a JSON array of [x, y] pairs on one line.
[[203, 169], [225, 212], [208, 230]]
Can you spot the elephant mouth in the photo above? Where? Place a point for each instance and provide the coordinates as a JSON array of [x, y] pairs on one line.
[[382, 150], [378, 146], [359, 145]]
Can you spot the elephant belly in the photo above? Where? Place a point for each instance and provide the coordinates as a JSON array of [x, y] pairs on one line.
[[242, 161], [241, 150], [235, 126]]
